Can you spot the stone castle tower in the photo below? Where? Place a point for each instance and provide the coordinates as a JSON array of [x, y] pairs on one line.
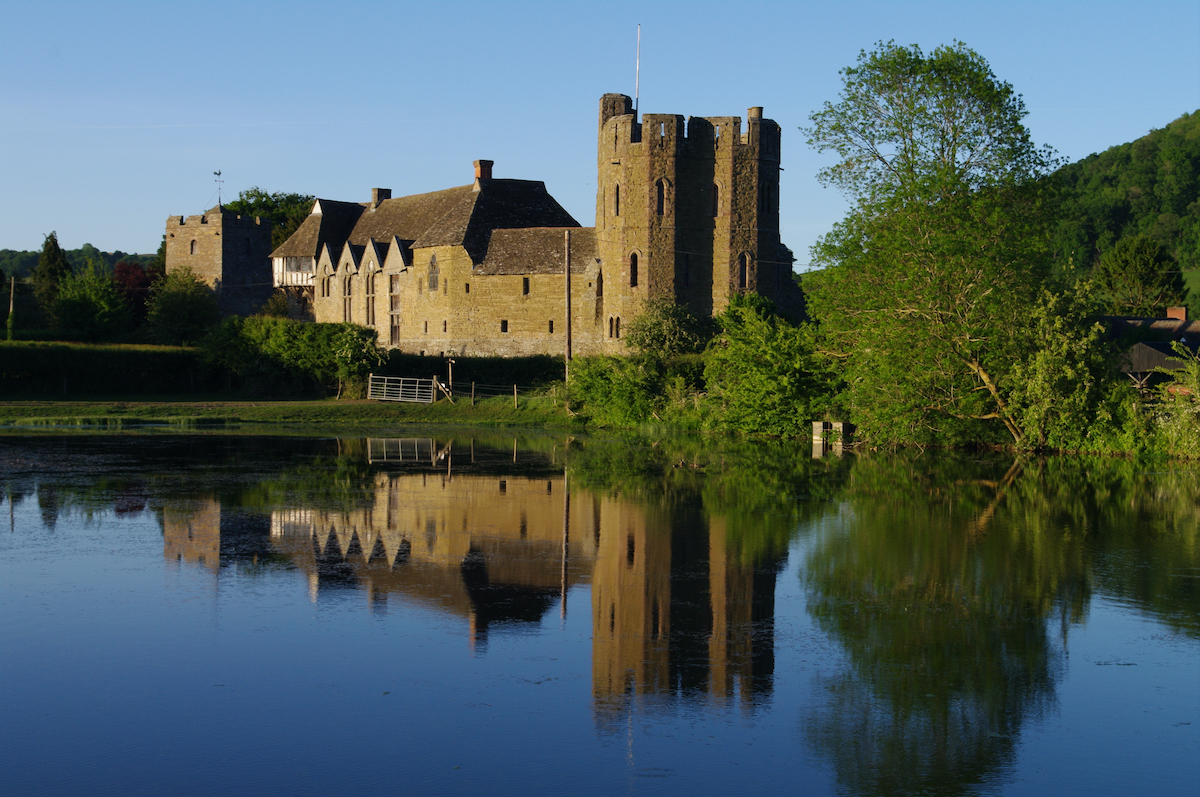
[[688, 211], [229, 252]]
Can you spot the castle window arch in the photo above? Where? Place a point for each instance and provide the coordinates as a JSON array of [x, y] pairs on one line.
[[633, 270], [743, 270], [192, 251], [433, 273], [662, 191]]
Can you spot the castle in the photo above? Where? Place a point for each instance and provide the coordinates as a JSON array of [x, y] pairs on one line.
[[228, 252], [686, 211]]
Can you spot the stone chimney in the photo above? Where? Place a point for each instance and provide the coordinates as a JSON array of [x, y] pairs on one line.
[[1177, 313], [378, 195], [754, 113], [483, 171]]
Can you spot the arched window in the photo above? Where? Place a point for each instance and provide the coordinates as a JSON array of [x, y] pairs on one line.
[[610, 327], [599, 284], [371, 299], [433, 273], [347, 291], [616, 201], [633, 268], [618, 325], [193, 250], [660, 191], [743, 270]]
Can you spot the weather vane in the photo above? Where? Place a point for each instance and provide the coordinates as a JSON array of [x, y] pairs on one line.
[[218, 181]]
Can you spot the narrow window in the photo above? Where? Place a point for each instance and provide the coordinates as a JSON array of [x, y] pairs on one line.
[[426, 327], [394, 336], [443, 326], [525, 286], [394, 292], [633, 275], [743, 268], [716, 200], [467, 286], [347, 293], [433, 273], [504, 326], [662, 130], [610, 327], [371, 299], [551, 326], [660, 197], [193, 246], [616, 206], [618, 326], [599, 284]]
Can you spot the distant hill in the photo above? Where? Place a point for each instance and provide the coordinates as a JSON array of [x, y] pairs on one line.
[[19, 263], [1149, 186]]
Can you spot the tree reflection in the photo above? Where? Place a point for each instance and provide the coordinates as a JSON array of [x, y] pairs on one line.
[[951, 583]]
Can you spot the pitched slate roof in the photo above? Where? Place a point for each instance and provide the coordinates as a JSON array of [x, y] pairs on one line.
[[538, 250], [332, 225], [463, 216]]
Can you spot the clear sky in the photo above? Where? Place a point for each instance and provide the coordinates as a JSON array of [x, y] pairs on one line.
[[114, 115]]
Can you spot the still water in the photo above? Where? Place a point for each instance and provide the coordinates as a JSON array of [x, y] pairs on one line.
[[441, 614]]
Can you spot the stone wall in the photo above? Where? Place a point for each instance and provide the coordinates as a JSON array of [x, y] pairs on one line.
[[229, 252]]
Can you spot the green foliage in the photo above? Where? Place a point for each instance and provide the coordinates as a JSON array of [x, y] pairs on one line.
[[285, 211], [1136, 277], [278, 355], [1179, 407], [616, 391], [181, 309], [1149, 186], [52, 267], [68, 370], [1065, 392], [277, 306], [90, 307], [764, 375], [929, 277], [666, 329]]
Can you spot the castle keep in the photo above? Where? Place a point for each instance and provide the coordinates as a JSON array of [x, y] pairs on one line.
[[686, 211], [231, 253]]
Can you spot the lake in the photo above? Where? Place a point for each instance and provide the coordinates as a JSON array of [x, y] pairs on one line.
[[449, 612]]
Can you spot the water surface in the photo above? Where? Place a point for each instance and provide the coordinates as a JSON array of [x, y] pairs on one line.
[[440, 614]]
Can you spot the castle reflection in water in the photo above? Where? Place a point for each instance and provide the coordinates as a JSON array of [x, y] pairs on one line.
[[675, 615]]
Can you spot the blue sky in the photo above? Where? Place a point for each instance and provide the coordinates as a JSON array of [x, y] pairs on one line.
[[114, 115]]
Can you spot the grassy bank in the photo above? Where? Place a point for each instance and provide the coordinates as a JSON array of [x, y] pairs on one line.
[[198, 412]]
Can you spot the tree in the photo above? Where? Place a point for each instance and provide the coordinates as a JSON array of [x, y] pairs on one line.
[[52, 267], [929, 277], [89, 306], [1136, 277], [666, 329], [284, 211], [133, 283], [181, 308], [764, 375]]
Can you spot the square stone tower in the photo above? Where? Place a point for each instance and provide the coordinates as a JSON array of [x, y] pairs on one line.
[[231, 253]]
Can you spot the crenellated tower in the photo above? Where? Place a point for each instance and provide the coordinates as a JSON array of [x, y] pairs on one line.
[[688, 210]]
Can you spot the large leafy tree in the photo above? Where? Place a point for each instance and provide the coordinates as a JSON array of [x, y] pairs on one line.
[[181, 308], [50, 271], [928, 279], [1136, 277], [90, 306], [284, 210]]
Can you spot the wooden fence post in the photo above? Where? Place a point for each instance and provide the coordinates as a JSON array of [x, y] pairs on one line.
[[514, 395]]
